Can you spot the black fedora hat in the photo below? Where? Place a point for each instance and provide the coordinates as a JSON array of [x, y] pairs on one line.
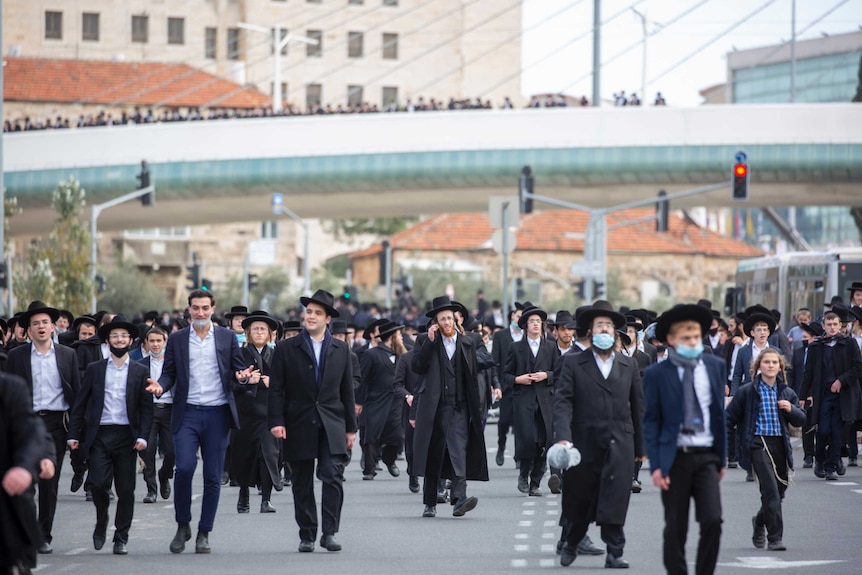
[[338, 326], [601, 308], [705, 303], [634, 321], [842, 312], [260, 316], [836, 299], [855, 313], [119, 322], [529, 311], [854, 287], [470, 323], [67, 314], [465, 313], [291, 325], [237, 310], [683, 312], [151, 315], [369, 329], [84, 319], [322, 298], [624, 338], [813, 328], [756, 314], [562, 319], [13, 321], [388, 329], [3, 325], [442, 303], [37, 307]]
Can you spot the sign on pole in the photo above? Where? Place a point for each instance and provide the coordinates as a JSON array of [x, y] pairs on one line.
[[277, 203], [497, 241], [495, 211]]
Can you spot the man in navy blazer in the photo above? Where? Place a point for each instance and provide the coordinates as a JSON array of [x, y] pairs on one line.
[[685, 434], [202, 363]]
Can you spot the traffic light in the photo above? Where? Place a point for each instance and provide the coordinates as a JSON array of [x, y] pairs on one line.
[[193, 272], [662, 212], [740, 182], [349, 293], [519, 289], [206, 285], [580, 290], [599, 289], [143, 183], [525, 190], [251, 280], [4, 277]]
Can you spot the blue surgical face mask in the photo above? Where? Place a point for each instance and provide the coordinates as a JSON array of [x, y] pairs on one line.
[[603, 341], [270, 344], [240, 338], [200, 323], [158, 355], [515, 327], [641, 334], [690, 351]]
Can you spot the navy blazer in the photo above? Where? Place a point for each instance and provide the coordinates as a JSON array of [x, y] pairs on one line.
[[87, 412], [665, 410], [742, 370], [175, 373], [18, 363]]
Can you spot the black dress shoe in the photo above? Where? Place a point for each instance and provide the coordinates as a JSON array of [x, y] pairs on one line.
[[535, 491], [830, 476], [758, 537], [818, 470], [184, 533], [88, 495], [841, 469], [266, 507], [202, 543], [98, 539], [851, 462], [523, 484], [368, 476], [501, 457], [77, 481], [414, 484], [612, 562], [442, 496], [776, 546], [808, 463], [165, 488], [560, 544], [120, 548], [279, 484], [463, 506], [749, 477], [150, 497], [636, 486], [430, 511], [567, 555], [393, 470], [732, 464], [306, 546], [45, 549], [225, 478], [555, 484], [329, 543], [243, 504], [586, 547]]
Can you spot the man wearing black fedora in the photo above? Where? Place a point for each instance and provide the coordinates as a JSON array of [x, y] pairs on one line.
[[684, 430], [598, 408], [501, 342], [235, 316], [449, 415], [759, 325], [312, 407], [52, 375], [809, 331], [110, 420], [855, 290]]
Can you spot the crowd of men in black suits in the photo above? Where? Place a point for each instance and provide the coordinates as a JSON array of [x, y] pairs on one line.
[[267, 403]]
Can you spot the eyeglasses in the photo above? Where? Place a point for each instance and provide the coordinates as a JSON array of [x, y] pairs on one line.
[[119, 336], [264, 329]]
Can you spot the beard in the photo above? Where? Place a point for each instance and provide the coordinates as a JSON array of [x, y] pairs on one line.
[[448, 331]]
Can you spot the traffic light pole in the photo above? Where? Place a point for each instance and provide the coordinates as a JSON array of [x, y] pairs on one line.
[[95, 211], [245, 288], [306, 266]]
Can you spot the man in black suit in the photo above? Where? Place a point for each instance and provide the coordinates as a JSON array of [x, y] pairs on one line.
[[312, 407], [598, 407], [449, 414], [810, 331], [51, 373], [501, 342], [112, 415], [160, 432]]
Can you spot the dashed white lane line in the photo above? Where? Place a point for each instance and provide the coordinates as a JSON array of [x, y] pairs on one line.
[[528, 512], [525, 524], [519, 563], [522, 535], [551, 523], [529, 503], [856, 490], [549, 548], [841, 483], [549, 535], [76, 551], [551, 512], [522, 548], [547, 562]]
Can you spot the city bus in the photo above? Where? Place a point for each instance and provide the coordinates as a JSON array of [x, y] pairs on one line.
[[792, 280]]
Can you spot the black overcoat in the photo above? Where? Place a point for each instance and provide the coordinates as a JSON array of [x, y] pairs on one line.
[[535, 398], [848, 369], [376, 394], [253, 435]]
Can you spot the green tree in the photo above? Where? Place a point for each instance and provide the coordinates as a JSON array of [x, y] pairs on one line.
[[11, 209], [129, 291], [58, 269], [347, 228]]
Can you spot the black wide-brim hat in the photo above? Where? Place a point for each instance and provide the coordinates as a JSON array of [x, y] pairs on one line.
[[624, 338], [842, 312], [84, 319], [683, 312], [758, 316], [812, 328], [855, 286], [634, 322], [264, 317], [465, 313], [855, 313], [836, 299], [369, 330], [388, 329], [236, 311], [601, 308], [291, 325], [338, 326], [3, 325], [68, 315], [525, 315], [322, 298], [37, 307], [119, 322], [442, 303], [562, 319]]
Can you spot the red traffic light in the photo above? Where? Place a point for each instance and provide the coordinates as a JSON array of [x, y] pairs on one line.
[[740, 170]]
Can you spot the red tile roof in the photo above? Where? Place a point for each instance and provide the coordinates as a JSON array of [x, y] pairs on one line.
[[114, 83], [545, 231]]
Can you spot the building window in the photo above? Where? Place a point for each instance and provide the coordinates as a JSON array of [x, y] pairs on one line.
[[283, 89], [390, 46], [314, 1], [354, 96], [53, 25], [176, 30], [313, 96], [390, 2], [178, 233], [314, 50], [356, 2], [210, 39], [354, 44], [269, 230], [141, 29], [90, 27], [233, 43], [282, 36], [390, 96]]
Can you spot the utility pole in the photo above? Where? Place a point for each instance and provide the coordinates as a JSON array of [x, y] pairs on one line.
[[792, 51], [597, 52]]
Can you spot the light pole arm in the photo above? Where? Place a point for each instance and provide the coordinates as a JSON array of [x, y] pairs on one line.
[[306, 265]]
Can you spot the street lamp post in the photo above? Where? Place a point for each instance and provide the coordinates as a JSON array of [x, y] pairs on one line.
[[278, 44], [279, 209]]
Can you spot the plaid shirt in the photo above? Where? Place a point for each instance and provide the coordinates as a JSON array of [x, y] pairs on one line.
[[767, 416]]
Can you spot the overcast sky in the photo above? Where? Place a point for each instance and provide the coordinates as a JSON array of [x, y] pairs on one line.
[[555, 60]]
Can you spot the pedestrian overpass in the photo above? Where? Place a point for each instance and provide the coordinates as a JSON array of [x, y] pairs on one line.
[[430, 162]]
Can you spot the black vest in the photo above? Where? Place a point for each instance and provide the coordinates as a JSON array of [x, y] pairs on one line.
[[453, 378]]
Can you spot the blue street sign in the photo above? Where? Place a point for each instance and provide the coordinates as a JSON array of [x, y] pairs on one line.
[[741, 157], [277, 203]]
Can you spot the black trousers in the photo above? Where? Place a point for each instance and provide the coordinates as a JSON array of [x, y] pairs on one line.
[[692, 476], [159, 433], [507, 416], [372, 451], [408, 440], [850, 439], [830, 430], [580, 498], [330, 471], [55, 422], [113, 460], [771, 488], [808, 435], [449, 438]]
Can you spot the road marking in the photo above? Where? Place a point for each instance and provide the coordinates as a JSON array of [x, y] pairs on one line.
[[529, 503], [76, 551], [525, 524], [551, 512], [549, 535], [547, 562], [775, 563], [842, 483], [549, 548], [522, 535], [528, 512], [856, 490], [552, 503], [522, 548], [519, 562], [171, 506], [551, 523]]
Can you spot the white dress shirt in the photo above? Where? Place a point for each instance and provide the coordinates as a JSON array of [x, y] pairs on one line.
[[449, 345], [114, 411], [605, 365], [317, 346], [534, 345], [564, 351], [516, 335], [156, 366], [47, 386], [704, 398], [106, 350], [205, 387]]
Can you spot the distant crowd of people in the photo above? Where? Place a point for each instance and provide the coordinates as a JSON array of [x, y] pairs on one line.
[[621, 99]]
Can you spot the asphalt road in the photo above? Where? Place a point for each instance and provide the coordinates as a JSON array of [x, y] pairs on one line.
[[382, 531]]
